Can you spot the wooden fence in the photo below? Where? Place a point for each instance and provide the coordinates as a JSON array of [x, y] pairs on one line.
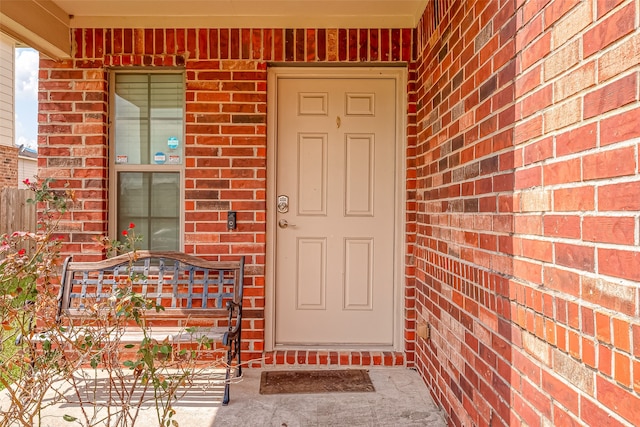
[[16, 214]]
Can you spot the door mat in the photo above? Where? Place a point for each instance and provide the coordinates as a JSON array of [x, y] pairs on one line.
[[329, 381]]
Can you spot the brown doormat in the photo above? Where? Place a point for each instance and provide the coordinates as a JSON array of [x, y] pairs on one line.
[[329, 381]]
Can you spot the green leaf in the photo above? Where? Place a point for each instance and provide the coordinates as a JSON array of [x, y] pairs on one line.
[[129, 346], [69, 418]]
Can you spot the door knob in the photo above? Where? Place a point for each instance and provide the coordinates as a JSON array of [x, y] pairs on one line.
[[283, 223]]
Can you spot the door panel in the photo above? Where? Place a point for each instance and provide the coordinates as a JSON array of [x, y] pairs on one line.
[[334, 252]]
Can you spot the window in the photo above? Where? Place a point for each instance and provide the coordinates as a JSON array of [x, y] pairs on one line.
[[147, 157]]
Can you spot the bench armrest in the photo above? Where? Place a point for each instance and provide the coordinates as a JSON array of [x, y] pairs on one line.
[[234, 307]]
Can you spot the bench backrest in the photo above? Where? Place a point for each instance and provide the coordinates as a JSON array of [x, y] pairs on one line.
[[177, 281]]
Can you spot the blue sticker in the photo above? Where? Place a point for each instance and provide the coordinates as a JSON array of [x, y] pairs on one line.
[[173, 143], [160, 157]]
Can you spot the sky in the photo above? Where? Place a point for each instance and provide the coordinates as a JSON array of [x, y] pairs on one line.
[[26, 97]]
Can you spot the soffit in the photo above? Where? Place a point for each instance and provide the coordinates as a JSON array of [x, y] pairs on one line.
[[243, 13]]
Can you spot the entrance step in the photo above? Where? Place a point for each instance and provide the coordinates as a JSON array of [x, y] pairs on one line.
[[333, 358]]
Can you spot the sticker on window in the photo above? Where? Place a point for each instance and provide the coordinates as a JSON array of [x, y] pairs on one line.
[[160, 158], [122, 159], [173, 143], [174, 160]]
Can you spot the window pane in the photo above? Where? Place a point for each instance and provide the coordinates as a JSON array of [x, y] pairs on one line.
[[166, 143], [151, 202], [163, 236], [131, 197], [164, 198], [149, 122], [132, 142], [166, 96], [132, 96]]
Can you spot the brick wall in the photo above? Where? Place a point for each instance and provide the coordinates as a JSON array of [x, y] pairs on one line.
[[465, 178], [527, 261], [225, 138], [8, 166], [577, 153]]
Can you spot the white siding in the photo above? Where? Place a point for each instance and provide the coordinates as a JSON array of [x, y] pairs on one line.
[[27, 169], [7, 71]]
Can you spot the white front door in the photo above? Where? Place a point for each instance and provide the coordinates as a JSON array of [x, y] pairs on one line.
[[335, 185]]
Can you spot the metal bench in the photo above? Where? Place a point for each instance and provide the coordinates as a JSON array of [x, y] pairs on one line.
[[201, 299]]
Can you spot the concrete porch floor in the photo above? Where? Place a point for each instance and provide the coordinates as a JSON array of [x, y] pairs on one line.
[[400, 399]]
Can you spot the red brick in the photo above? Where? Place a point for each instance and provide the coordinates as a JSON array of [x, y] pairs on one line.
[[522, 408], [573, 314], [619, 263], [574, 199], [567, 226], [614, 95], [595, 415], [574, 344], [575, 256], [621, 127], [527, 178], [609, 164], [536, 51], [538, 151], [550, 331], [562, 172], [609, 30], [562, 280], [636, 340], [561, 418], [621, 332], [603, 327], [528, 224], [605, 360], [528, 81], [605, 229], [588, 352], [557, 10], [560, 391], [620, 400], [527, 271], [537, 101], [537, 249], [606, 6], [619, 197]]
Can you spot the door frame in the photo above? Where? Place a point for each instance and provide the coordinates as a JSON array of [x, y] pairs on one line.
[[397, 73]]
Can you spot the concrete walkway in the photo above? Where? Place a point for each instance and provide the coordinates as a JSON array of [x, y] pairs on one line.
[[400, 399]]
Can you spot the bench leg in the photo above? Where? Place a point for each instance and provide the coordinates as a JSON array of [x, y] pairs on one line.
[[225, 399], [232, 352], [238, 353]]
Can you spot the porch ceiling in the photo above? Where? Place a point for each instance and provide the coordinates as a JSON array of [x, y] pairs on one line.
[[244, 13]]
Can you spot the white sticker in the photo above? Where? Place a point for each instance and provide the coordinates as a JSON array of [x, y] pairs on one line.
[[174, 160], [122, 159]]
